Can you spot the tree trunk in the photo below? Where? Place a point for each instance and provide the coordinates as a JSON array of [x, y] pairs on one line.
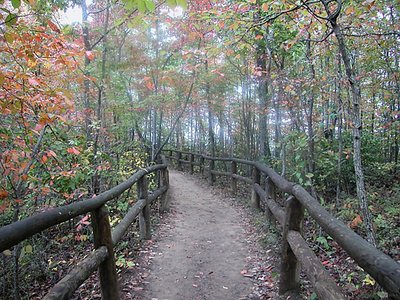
[[340, 138], [261, 67], [357, 123]]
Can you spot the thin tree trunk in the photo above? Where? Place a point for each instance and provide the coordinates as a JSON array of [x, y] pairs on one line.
[[86, 82], [340, 138], [96, 187], [211, 137], [357, 122], [310, 121]]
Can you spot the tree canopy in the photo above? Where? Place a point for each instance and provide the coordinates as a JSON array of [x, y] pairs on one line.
[[311, 88]]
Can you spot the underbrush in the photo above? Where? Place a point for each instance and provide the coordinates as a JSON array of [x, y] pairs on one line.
[[355, 282], [47, 257]]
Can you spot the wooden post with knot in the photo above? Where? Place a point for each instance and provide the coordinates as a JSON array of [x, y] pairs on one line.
[[255, 198], [144, 216], [290, 267]]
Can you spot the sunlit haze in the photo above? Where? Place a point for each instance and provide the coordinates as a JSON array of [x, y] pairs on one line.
[[72, 15]]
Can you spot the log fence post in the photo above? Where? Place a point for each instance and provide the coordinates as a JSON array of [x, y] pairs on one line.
[[211, 176], [164, 181], [191, 160], [202, 168], [255, 198], [233, 179], [270, 190], [178, 160], [290, 268], [102, 237], [144, 216]]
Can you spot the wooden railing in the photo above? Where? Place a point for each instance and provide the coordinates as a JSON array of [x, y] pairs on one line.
[[105, 239], [266, 184]]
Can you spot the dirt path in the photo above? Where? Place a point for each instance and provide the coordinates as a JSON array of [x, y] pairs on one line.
[[203, 253]]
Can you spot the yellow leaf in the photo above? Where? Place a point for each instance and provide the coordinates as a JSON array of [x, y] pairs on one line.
[[368, 280], [350, 10], [7, 252], [9, 37]]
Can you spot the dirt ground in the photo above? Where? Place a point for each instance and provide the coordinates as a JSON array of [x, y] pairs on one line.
[[202, 251]]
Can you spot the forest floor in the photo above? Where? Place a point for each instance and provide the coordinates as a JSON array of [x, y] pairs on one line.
[[205, 248]]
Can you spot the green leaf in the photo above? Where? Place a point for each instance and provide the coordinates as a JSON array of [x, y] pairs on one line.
[[130, 5], [11, 19], [16, 3], [313, 296], [150, 5], [135, 22], [171, 3], [7, 252], [323, 241], [141, 4], [119, 22], [28, 249], [182, 3], [130, 264]]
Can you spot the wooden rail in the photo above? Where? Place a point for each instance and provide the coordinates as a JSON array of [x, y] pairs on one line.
[[105, 239], [295, 251]]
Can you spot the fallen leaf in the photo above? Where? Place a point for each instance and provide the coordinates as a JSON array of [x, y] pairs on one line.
[[356, 221]]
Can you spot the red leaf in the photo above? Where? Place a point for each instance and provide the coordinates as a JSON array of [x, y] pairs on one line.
[[33, 81], [53, 26], [4, 206], [90, 55], [51, 153]]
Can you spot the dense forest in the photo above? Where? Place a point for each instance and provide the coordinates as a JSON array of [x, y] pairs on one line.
[[311, 88]]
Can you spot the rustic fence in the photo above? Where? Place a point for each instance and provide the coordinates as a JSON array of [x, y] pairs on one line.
[[266, 185], [105, 239]]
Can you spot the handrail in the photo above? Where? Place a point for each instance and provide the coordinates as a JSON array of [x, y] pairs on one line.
[[104, 240], [380, 266]]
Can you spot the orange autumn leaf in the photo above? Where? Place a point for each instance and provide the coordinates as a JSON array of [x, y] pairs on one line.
[[73, 150], [356, 222], [150, 85], [265, 7], [350, 10], [3, 194], [90, 55]]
